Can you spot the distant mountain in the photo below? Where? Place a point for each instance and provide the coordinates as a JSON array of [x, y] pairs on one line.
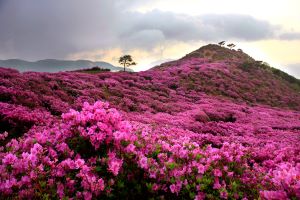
[[53, 65]]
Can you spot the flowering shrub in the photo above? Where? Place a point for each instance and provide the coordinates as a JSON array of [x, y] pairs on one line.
[[286, 180], [17, 120], [79, 156], [95, 153], [195, 129], [177, 163]]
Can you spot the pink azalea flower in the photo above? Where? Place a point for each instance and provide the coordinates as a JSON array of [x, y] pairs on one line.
[[60, 190], [101, 184], [114, 164], [143, 162], [217, 184], [79, 163], [9, 159], [272, 195], [223, 195], [173, 188], [200, 196], [87, 195], [217, 173], [201, 168]]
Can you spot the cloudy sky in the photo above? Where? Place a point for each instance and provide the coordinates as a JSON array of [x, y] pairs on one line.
[[150, 30]]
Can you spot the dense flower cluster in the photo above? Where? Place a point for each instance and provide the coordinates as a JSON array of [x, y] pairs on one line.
[[56, 162], [95, 153], [195, 129]]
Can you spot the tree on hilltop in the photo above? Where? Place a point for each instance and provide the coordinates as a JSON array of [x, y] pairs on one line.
[[221, 43], [231, 46], [126, 61]]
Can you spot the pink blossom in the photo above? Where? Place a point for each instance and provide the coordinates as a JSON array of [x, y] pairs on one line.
[[131, 148], [217, 173], [114, 164], [79, 163], [201, 168], [173, 188], [143, 162], [101, 184], [87, 195], [9, 159], [272, 195], [3, 135], [223, 195], [200, 196], [60, 190], [217, 184]]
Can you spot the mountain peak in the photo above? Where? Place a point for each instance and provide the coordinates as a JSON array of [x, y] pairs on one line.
[[211, 53], [216, 53]]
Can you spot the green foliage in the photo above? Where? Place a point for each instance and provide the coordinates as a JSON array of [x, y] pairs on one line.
[[286, 77], [248, 66], [171, 165], [81, 146], [93, 70], [252, 66]]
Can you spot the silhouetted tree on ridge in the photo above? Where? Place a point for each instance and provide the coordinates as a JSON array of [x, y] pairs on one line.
[[222, 43], [231, 46], [126, 61]]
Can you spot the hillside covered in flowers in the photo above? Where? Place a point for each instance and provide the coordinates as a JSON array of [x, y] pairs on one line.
[[215, 124]]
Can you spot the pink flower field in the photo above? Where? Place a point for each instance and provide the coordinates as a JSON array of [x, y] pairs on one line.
[[195, 128]]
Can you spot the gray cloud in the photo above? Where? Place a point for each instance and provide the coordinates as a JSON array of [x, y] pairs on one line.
[[206, 27], [290, 36], [237, 27], [144, 38], [35, 29]]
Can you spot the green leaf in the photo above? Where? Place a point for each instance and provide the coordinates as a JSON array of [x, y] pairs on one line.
[[43, 184], [192, 195], [125, 143], [188, 187], [98, 168], [198, 157], [171, 165], [172, 180], [120, 184], [149, 186]]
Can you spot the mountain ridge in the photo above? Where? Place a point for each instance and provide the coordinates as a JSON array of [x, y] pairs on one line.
[[217, 53], [55, 65], [213, 53]]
